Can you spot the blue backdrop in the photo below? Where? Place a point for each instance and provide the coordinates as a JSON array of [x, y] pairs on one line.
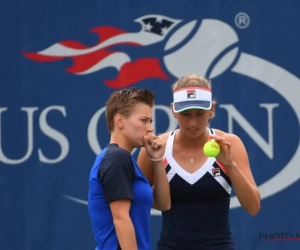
[[59, 62]]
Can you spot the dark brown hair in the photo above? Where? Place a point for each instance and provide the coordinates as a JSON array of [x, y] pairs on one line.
[[123, 101]]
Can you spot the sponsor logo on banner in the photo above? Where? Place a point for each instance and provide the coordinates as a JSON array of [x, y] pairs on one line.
[[184, 43]]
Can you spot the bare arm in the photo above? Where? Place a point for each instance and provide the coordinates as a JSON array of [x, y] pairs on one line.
[[145, 165], [155, 173], [242, 178], [161, 188], [123, 224], [238, 169]]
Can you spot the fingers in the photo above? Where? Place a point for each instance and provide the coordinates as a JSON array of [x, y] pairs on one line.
[[157, 143], [216, 138], [220, 140], [154, 146], [154, 141], [150, 137]]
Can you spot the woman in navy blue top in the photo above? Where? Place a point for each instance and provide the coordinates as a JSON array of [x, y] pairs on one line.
[[200, 186], [120, 197]]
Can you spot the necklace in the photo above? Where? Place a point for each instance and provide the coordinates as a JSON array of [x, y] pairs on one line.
[[192, 158]]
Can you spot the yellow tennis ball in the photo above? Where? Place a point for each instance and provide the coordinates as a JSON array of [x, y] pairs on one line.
[[211, 149]]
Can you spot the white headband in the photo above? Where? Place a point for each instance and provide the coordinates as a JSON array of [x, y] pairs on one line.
[[192, 98]]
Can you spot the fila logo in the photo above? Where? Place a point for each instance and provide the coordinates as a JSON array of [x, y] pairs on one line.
[[191, 93], [216, 172]]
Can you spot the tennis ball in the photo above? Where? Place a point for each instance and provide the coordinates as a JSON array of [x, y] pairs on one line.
[[211, 149]]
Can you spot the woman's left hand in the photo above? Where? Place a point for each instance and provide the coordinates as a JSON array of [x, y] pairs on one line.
[[224, 157]]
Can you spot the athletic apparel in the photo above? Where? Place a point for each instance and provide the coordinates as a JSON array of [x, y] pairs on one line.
[[114, 176], [199, 214], [192, 98]]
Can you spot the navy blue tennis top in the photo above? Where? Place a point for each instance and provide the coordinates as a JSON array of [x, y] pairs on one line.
[[199, 214], [115, 175]]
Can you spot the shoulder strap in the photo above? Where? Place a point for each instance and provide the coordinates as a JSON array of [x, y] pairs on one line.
[[211, 131], [170, 142]]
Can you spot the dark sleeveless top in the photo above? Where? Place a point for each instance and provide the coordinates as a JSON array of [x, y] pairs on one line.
[[199, 214]]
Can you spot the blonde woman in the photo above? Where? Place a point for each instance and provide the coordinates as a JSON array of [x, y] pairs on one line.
[[200, 186]]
